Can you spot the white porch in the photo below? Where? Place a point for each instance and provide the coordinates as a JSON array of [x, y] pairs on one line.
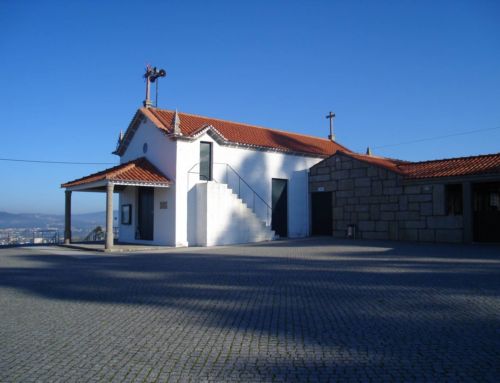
[[139, 174]]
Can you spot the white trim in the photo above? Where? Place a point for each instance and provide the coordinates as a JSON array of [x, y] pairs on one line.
[[90, 185], [142, 183], [103, 183]]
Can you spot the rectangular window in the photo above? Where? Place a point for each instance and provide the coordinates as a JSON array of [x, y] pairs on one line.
[[454, 200], [206, 161], [126, 214]]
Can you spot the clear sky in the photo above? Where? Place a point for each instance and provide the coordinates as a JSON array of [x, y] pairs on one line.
[[392, 71]]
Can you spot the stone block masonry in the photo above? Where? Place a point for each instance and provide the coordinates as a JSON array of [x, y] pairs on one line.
[[382, 205]]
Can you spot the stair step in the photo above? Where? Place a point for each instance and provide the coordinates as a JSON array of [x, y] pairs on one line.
[[247, 226]]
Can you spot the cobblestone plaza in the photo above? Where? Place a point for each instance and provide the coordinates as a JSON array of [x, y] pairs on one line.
[[287, 311]]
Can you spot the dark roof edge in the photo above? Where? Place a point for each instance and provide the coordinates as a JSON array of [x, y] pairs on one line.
[[453, 158]]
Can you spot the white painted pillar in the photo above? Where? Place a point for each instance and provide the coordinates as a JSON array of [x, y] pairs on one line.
[[109, 216], [67, 218]]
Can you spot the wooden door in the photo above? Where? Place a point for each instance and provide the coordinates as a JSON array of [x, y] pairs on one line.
[[146, 213], [321, 213], [279, 221]]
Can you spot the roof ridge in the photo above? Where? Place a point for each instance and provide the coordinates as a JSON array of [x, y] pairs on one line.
[[452, 158], [250, 125], [399, 161], [148, 113], [387, 163]]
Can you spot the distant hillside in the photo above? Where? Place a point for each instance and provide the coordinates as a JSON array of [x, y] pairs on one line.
[[28, 220]]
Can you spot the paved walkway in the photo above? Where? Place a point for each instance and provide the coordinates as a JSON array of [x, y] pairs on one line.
[[298, 311], [117, 247]]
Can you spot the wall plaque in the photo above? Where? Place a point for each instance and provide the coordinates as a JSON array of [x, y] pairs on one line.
[[126, 214]]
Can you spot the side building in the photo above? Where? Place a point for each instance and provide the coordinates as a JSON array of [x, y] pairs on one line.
[[451, 200]]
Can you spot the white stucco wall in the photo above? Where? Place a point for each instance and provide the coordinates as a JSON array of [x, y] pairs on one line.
[[127, 232], [257, 168], [163, 233], [161, 152]]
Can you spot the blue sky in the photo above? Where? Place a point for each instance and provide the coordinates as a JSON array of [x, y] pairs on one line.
[[393, 71]]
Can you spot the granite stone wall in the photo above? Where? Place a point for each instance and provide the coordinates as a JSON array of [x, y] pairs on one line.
[[381, 204]]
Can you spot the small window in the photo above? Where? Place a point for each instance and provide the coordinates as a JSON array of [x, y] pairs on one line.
[[205, 161], [454, 200]]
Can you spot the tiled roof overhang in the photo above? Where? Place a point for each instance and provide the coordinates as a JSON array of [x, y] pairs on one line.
[[139, 172], [230, 133], [453, 167], [387, 163], [482, 165]]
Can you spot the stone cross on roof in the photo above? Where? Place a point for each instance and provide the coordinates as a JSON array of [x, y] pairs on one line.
[[331, 116]]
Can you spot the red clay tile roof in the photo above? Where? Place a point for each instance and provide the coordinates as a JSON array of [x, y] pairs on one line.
[[138, 170], [244, 134], [461, 166], [450, 167], [388, 163]]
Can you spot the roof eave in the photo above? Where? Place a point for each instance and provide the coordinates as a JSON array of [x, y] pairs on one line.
[[456, 178], [102, 183], [71, 186]]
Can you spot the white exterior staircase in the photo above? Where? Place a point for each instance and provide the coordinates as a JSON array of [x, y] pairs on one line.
[[223, 219]]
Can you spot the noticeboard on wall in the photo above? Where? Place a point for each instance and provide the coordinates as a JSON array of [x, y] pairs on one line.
[[126, 214]]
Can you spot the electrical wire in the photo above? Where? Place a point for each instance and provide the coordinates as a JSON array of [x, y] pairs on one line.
[[375, 147], [57, 162], [435, 138]]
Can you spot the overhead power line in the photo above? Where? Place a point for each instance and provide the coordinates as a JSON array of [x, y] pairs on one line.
[[375, 147], [57, 162], [436, 137]]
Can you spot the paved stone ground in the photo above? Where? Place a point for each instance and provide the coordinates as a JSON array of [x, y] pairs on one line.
[[308, 311]]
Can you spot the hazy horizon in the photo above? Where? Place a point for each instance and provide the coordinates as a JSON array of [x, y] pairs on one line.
[[72, 213]]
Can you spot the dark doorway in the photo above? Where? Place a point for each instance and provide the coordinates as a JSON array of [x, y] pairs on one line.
[[486, 205], [205, 161], [279, 221], [146, 213], [321, 213]]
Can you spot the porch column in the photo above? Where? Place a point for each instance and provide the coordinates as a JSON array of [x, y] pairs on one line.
[[109, 216], [67, 217], [467, 211]]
